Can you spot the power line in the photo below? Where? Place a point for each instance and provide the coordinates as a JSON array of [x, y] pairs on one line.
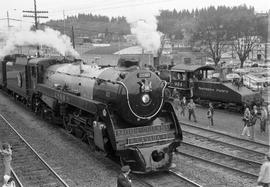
[[35, 12], [103, 6], [8, 20], [35, 16], [117, 6]]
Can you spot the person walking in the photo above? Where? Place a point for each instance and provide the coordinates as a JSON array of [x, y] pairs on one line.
[[183, 105], [246, 119], [123, 178], [264, 175], [191, 110], [7, 157], [253, 120], [210, 114], [263, 119]]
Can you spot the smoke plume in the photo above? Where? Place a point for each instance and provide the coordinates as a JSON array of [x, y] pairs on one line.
[[145, 29], [48, 37]]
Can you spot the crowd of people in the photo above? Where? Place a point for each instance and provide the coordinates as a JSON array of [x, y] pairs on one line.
[[251, 116]]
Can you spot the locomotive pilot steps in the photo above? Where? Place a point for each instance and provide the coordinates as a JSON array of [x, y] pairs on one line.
[[120, 110]]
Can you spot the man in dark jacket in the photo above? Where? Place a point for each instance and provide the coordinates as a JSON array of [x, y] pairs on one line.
[[123, 179]]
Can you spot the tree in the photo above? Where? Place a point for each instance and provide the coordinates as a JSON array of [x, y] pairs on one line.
[[211, 31], [244, 31]]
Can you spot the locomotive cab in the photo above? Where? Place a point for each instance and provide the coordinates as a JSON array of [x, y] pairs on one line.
[[184, 77]]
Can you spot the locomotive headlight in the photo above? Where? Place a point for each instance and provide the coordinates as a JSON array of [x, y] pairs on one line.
[[145, 98]]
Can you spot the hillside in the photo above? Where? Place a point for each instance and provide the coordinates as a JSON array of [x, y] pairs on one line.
[[91, 26]]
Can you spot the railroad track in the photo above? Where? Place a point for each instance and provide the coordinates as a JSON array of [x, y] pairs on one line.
[[224, 150], [29, 167], [172, 178]]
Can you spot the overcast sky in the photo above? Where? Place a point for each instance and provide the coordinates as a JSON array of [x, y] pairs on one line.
[[110, 7]]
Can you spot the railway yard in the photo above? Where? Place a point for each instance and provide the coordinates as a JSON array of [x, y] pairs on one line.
[[215, 156], [156, 96]]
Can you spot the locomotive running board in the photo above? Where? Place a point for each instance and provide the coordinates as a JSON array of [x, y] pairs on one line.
[[65, 97]]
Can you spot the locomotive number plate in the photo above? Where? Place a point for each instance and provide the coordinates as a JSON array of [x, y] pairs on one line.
[[144, 75], [146, 129], [150, 138]]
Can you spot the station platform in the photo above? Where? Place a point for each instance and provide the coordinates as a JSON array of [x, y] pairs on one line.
[[226, 122]]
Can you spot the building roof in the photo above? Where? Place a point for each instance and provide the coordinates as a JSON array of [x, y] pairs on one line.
[[132, 50]]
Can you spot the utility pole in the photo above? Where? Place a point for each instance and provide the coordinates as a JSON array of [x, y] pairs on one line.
[[64, 21], [8, 20], [73, 39], [35, 16]]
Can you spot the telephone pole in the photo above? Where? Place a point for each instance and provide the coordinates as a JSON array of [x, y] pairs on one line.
[[73, 38], [35, 16], [64, 17], [8, 20]]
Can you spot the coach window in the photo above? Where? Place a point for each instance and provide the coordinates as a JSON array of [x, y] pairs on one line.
[[174, 75]]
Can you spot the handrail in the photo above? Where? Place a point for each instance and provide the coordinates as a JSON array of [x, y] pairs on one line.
[[141, 117]]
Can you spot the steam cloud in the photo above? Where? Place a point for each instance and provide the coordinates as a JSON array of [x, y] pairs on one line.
[[146, 32], [49, 37]]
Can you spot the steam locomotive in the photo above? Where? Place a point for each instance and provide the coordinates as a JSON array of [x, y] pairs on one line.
[[120, 110], [194, 81]]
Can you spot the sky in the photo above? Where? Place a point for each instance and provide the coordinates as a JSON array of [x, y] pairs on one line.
[[60, 8]]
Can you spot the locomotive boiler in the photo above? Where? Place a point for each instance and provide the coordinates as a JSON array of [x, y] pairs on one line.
[[120, 110], [135, 95]]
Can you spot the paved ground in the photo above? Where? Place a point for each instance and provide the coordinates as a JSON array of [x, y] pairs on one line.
[[227, 122]]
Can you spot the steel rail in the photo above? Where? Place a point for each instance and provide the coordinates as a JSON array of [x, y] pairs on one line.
[[180, 175], [39, 157], [217, 164], [228, 135], [220, 141], [16, 178]]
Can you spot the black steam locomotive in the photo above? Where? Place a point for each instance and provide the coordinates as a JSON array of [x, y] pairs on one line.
[[197, 82], [120, 110]]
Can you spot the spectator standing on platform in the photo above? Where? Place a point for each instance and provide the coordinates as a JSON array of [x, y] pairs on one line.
[[246, 119], [123, 179], [191, 86], [183, 106], [7, 153], [178, 104], [264, 175], [263, 120], [253, 120], [191, 110], [210, 114]]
